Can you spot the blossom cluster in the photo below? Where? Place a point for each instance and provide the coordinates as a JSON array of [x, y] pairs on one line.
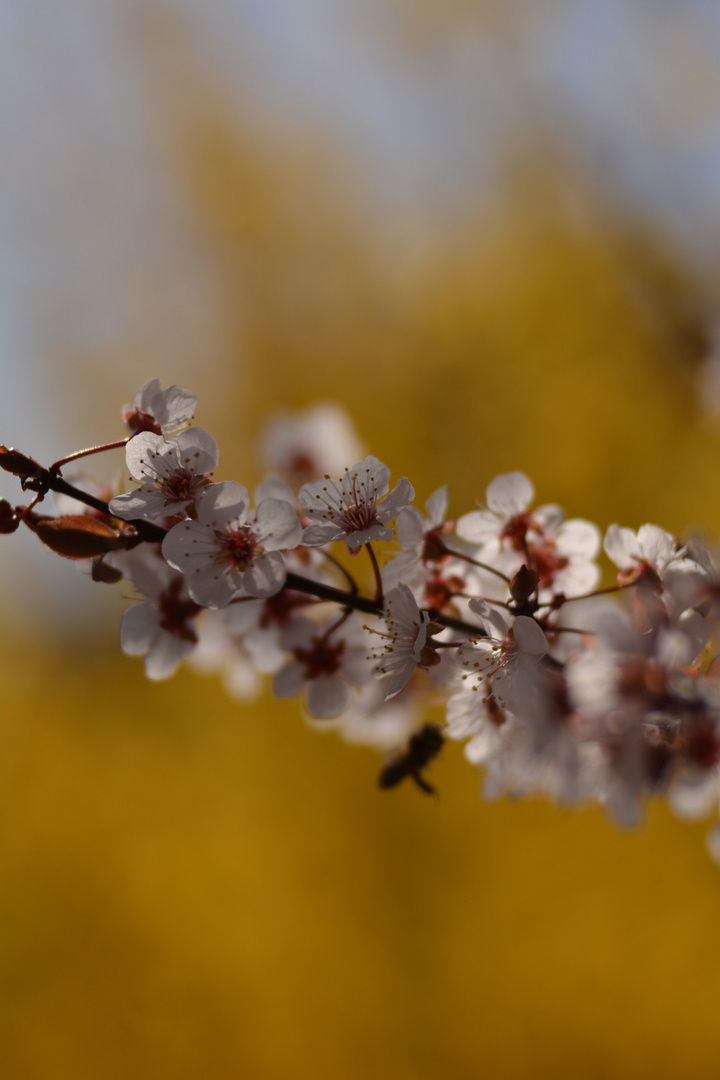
[[552, 683]]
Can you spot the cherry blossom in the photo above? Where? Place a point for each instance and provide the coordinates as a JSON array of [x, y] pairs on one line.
[[420, 540], [650, 550], [506, 663], [304, 446], [229, 646], [509, 533], [357, 508], [163, 411], [553, 685], [649, 709], [508, 500], [228, 552], [172, 474], [324, 664], [409, 643], [162, 627]]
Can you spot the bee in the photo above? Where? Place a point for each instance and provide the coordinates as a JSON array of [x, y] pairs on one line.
[[423, 746]]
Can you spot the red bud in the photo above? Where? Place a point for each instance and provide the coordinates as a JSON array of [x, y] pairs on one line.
[[8, 521]]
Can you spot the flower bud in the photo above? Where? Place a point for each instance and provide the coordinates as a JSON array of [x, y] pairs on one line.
[[8, 521], [523, 585]]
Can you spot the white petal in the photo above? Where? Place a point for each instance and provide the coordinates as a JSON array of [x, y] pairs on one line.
[[495, 621], [266, 576], [140, 452], [148, 571], [550, 517], [579, 538], [696, 628], [436, 506], [529, 637], [277, 525], [369, 478], [478, 526], [274, 487], [656, 545], [265, 652], [289, 680], [576, 579], [401, 496], [316, 496], [172, 407], [211, 587], [139, 626], [367, 536], [190, 546], [405, 567], [144, 396], [316, 535], [481, 746], [674, 649], [197, 450], [164, 658], [693, 797], [356, 665], [509, 494], [620, 546], [326, 697], [222, 504], [146, 503], [398, 679], [410, 528]]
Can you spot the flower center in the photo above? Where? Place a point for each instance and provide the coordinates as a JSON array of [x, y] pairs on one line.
[[240, 548], [176, 611], [547, 563], [516, 531], [359, 510], [278, 609], [322, 658], [139, 420]]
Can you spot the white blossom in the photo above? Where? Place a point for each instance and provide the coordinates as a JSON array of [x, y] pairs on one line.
[[650, 549], [163, 411], [228, 551], [325, 664], [162, 627], [357, 508], [173, 473], [303, 446], [408, 630], [413, 533], [509, 533]]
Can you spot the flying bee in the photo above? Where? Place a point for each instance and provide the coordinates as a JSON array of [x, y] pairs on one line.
[[423, 746]]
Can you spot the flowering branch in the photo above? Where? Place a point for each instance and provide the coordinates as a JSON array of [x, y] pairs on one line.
[[553, 683]]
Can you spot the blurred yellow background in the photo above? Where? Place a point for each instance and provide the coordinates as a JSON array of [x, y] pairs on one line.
[[398, 208]]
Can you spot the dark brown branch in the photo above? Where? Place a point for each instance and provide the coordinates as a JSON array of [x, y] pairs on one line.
[[42, 480]]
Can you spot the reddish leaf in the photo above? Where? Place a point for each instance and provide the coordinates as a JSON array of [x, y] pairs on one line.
[[78, 536]]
